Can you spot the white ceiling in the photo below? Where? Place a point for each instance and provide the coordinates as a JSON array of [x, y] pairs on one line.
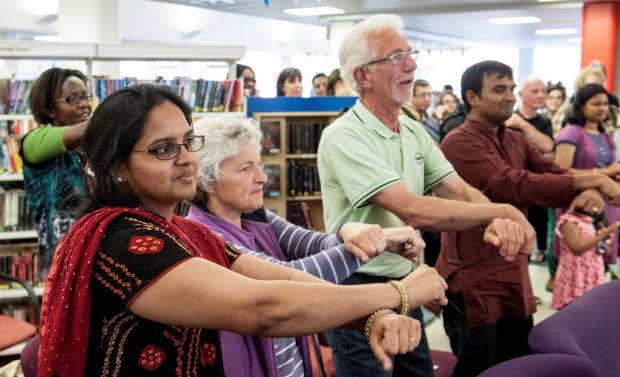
[[453, 22], [445, 19]]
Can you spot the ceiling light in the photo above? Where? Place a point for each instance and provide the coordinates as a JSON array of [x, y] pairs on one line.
[[560, 31], [313, 11], [514, 20], [575, 40]]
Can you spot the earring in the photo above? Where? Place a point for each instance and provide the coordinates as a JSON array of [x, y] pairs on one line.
[[119, 179]]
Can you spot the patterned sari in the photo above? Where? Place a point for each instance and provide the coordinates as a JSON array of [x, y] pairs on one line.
[[65, 314]]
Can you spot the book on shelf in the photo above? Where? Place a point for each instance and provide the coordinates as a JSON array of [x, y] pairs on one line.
[[298, 213], [272, 186], [303, 138], [23, 261], [201, 95], [10, 160], [15, 212], [271, 136], [302, 178]]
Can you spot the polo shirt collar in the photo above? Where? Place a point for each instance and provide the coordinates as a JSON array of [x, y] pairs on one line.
[[368, 119]]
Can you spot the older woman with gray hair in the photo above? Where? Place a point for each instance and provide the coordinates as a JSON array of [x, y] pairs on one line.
[[230, 203]]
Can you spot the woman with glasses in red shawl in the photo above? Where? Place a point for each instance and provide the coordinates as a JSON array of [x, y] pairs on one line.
[[136, 290]]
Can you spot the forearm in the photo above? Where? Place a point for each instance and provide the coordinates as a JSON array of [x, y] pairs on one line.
[[438, 214], [584, 245], [589, 180], [259, 269], [466, 193], [73, 135], [541, 141], [298, 242], [323, 307], [332, 265]]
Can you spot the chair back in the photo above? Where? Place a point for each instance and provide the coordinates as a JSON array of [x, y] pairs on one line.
[[544, 365], [588, 327], [29, 357]]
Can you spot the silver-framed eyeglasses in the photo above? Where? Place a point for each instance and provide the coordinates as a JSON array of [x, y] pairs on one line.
[[169, 151], [75, 99], [396, 58]]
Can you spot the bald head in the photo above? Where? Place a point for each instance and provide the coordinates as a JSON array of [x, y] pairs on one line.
[[533, 93]]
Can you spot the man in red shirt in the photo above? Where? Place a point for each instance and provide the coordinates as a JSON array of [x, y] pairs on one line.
[[493, 294]]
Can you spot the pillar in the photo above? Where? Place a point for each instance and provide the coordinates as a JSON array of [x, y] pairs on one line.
[[600, 37], [91, 21]]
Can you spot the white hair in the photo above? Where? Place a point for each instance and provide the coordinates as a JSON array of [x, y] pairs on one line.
[[225, 136], [355, 49]]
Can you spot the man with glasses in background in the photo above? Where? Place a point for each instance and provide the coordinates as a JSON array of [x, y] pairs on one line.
[[375, 167], [421, 102]]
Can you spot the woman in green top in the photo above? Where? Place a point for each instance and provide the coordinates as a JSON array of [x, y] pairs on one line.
[[53, 174]]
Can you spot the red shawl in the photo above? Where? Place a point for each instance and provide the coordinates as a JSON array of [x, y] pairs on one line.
[[65, 313]]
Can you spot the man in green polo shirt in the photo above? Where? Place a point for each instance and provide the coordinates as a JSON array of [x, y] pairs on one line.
[[376, 167]]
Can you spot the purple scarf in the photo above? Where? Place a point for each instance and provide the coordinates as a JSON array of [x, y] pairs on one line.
[[245, 355]]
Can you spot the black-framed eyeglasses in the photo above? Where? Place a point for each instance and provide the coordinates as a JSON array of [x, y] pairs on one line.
[[75, 99], [396, 58], [171, 150]]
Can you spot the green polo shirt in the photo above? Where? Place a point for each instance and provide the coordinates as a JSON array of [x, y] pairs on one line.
[[358, 156]]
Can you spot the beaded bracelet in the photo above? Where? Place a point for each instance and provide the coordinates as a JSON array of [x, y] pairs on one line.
[[404, 297], [372, 318]]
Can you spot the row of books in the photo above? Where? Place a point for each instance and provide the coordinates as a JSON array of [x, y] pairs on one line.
[[15, 96], [22, 261], [201, 95], [15, 213], [298, 213], [303, 138], [16, 127], [10, 160], [302, 178]]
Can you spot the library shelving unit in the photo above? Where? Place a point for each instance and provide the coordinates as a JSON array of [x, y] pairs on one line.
[[90, 52], [291, 130]]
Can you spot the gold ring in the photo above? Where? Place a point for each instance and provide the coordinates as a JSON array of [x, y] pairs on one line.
[[412, 339], [595, 209]]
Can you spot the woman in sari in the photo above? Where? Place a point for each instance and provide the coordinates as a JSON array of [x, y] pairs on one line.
[[134, 289]]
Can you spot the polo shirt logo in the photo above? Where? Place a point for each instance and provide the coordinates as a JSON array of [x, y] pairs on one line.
[[419, 159]]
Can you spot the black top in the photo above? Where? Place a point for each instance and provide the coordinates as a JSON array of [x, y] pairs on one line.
[[133, 254]]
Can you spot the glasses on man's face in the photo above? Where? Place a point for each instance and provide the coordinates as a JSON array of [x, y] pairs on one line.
[[170, 150], [396, 58], [75, 99]]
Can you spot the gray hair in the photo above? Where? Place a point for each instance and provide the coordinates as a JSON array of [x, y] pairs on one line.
[[355, 49], [225, 136]]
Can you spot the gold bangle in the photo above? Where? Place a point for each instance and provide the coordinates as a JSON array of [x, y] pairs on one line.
[[372, 318], [404, 297]]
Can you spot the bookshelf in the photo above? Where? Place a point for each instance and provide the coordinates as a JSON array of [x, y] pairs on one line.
[[297, 133], [13, 126]]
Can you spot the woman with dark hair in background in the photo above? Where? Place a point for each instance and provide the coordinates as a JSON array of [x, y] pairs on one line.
[[584, 147], [135, 290], [289, 83], [53, 174], [249, 80]]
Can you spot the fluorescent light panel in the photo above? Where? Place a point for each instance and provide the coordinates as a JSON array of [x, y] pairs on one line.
[[313, 11], [560, 31], [514, 20]]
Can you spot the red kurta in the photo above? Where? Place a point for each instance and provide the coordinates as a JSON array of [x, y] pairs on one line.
[[507, 168]]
